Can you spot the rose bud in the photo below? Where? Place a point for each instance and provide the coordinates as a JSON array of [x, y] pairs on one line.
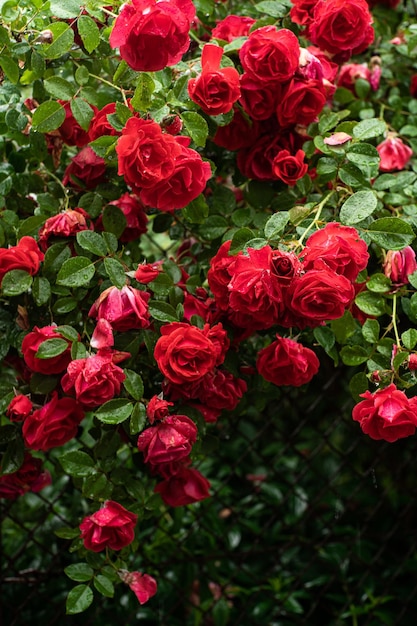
[[399, 264]]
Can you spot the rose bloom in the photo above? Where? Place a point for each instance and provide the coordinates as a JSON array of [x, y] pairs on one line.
[[86, 170], [240, 133], [386, 414], [30, 346], [169, 440], [258, 99], [65, 224], [339, 247], [231, 27], [112, 527], [288, 167], [29, 477], [52, 425], [221, 390], [301, 102], [93, 380], [147, 272], [342, 28], [136, 218], [157, 409], [100, 124], [70, 131], [394, 154], [19, 408], [25, 255], [220, 274], [257, 161], [142, 585], [216, 89], [152, 35], [270, 55], [318, 296], [125, 308], [186, 486], [302, 12], [185, 183], [186, 353], [399, 264], [286, 362], [349, 74]]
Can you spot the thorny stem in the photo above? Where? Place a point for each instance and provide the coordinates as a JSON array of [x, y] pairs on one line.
[[318, 210]]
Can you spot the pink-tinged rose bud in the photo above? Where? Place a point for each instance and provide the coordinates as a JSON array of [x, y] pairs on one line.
[[19, 408], [337, 139], [102, 336], [394, 154], [376, 72], [142, 585], [412, 362], [399, 264], [125, 308], [112, 527]]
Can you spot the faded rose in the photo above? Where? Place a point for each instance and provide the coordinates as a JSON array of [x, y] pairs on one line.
[[136, 218], [125, 308], [142, 585], [394, 154], [112, 527], [399, 264], [386, 414], [86, 170], [71, 132], [30, 346], [65, 224], [169, 440], [287, 362]]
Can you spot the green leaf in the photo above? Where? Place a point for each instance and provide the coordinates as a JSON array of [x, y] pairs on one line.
[[114, 220], [76, 272], [82, 112], [51, 348], [358, 385], [41, 290], [77, 463], [240, 238], [66, 532], [30, 226], [68, 332], [142, 97], [409, 338], [79, 599], [82, 75], [379, 283], [16, 282], [65, 9], [214, 227], [370, 303], [89, 32], [162, 311], [351, 175], [48, 116], [63, 38], [59, 88], [353, 355], [357, 207], [365, 157], [104, 586], [9, 67], [80, 572], [196, 126], [274, 8], [115, 271], [91, 241], [276, 224], [325, 337], [138, 418], [370, 330], [391, 233], [196, 211], [114, 411], [133, 384], [368, 129]]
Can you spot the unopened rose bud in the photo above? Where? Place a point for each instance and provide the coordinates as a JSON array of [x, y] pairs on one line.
[[412, 362], [399, 264], [46, 36], [375, 377], [172, 124]]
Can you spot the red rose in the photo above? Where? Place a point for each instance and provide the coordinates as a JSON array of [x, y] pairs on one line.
[[19, 408], [220, 274], [221, 390], [394, 154], [240, 133], [136, 218], [125, 308], [157, 409], [302, 12], [86, 170], [112, 527], [100, 124], [319, 295], [286, 362], [185, 183], [258, 99], [71, 132], [152, 35], [386, 414], [147, 272], [413, 86], [270, 55], [25, 255], [186, 353], [342, 28], [52, 425], [65, 224], [30, 346], [301, 102], [142, 585], [399, 264], [288, 167], [146, 155], [29, 477], [339, 247], [349, 74], [169, 440], [216, 89], [93, 380], [231, 27], [184, 487]]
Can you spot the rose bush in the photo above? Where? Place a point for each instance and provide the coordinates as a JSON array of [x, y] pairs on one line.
[[195, 209]]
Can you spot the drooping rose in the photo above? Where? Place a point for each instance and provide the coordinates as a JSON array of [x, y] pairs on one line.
[[65, 224], [386, 414], [216, 89], [143, 586], [287, 362], [86, 170], [93, 380], [399, 264], [53, 424], [152, 35], [168, 440], [25, 255], [394, 154], [30, 346], [184, 487], [270, 55], [112, 527], [29, 477], [125, 308]]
